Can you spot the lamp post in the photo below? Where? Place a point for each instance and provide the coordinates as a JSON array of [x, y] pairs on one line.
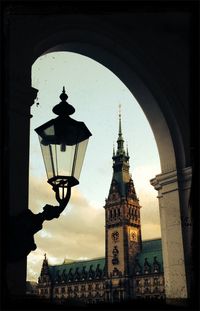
[[63, 142]]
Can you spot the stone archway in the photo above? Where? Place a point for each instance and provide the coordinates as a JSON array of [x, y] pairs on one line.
[[173, 196]]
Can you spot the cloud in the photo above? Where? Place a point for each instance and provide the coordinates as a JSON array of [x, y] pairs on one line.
[[142, 175], [34, 264], [77, 233], [40, 193], [150, 218], [150, 231]]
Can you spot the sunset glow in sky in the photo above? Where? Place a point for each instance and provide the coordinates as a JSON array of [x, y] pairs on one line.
[[96, 93]]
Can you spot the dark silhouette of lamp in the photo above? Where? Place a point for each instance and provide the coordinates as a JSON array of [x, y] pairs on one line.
[[63, 143]]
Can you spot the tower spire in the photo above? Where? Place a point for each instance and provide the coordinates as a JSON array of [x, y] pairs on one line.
[[121, 162], [120, 126], [120, 140]]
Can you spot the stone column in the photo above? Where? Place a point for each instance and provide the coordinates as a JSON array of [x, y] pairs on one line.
[[18, 96], [184, 181], [173, 194], [20, 99]]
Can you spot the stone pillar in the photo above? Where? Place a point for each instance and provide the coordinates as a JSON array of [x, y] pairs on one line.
[[173, 194], [20, 99], [18, 96], [184, 181]]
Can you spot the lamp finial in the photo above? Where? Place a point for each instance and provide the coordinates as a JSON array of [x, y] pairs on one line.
[[63, 95]]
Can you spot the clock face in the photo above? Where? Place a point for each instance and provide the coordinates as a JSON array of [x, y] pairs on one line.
[[115, 236]]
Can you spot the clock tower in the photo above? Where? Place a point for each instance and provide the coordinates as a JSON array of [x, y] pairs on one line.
[[123, 229]]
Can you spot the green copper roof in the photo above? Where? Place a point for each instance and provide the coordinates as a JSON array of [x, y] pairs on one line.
[[151, 249], [77, 264]]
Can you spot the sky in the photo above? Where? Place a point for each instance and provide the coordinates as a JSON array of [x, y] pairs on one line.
[[95, 93]]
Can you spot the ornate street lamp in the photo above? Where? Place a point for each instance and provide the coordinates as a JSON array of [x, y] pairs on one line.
[[63, 143]]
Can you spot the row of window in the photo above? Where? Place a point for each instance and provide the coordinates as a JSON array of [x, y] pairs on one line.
[[147, 269], [113, 213], [150, 281], [149, 290], [133, 212], [77, 288], [43, 291], [79, 295]]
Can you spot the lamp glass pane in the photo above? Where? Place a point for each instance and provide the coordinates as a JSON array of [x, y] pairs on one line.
[[48, 158], [78, 158], [49, 131], [62, 151], [64, 156]]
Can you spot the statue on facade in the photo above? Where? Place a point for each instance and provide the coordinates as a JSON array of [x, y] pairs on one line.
[[115, 260]]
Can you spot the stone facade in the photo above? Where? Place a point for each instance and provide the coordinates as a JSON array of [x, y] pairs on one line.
[[131, 269]]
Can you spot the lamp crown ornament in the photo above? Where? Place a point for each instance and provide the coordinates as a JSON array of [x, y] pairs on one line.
[[63, 95], [63, 108]]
